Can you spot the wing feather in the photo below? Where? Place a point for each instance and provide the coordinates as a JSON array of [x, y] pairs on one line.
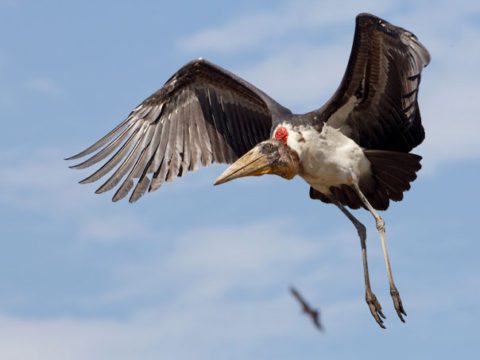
[[115, 159], [203, 114], [105, 139], [376, 102], [194, 139], [125, 166], [107, 150]]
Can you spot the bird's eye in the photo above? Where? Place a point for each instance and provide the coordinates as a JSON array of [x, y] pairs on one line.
[[268, 148]]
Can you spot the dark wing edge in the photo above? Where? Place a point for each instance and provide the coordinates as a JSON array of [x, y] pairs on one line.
[[202, 115], [376, 102]]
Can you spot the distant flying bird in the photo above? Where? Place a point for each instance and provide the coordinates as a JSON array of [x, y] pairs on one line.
[[307, 309], [353, 151]]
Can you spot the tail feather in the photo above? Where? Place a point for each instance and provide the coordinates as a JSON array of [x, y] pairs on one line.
[[392, 173], [393, 192], [393, 181], [379, 199]]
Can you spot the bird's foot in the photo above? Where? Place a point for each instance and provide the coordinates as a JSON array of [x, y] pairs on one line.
[[397, 302], [375, 308]]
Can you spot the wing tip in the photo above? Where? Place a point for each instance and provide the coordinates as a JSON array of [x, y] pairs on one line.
[[410, 39], [76, 156], [419, 49], [82, 165], [87, 180], [365, 18]]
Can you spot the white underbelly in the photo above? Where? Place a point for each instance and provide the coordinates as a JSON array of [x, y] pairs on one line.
[[332, 159]]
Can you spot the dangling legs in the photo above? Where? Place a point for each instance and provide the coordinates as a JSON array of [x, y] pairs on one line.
[[370, 297], [397, 302]]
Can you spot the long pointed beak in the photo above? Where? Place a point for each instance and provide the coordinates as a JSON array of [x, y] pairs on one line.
[[253, 163]]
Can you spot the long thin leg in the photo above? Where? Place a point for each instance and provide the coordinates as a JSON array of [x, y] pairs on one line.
[[373, 304], [397, 302]]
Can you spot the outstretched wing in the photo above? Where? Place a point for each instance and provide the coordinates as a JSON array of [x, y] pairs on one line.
[[376, 102], [203, 114]]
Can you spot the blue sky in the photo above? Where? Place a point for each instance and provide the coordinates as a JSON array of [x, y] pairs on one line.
[[197, 272]]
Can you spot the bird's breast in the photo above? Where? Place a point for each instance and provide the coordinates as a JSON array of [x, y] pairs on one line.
[[330, 158]]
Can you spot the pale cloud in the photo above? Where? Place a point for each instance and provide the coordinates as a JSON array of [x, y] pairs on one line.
[[45, 86], [254, 29], [43, 184], [194, 282], [296, 76], [205, 265], [241, 248], [112, 228], [257, 30], [39, 181], [210, 332]]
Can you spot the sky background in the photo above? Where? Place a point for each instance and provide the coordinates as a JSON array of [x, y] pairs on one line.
[[197, 272]]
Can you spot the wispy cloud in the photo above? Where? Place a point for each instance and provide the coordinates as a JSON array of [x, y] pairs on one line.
[[194, 285], [38, 182], [113, 228], [45, 86], [296, 76], [154, 334], [259, 29], [218, 260], [219, 322]]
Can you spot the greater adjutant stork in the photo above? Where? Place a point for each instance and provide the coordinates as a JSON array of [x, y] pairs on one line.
[[354, 151]]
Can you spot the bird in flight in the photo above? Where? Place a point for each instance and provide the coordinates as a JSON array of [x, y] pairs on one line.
[[307, 309], [353, 152]]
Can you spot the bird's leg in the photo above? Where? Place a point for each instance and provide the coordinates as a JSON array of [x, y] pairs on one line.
[[397, 302], [373, 304]]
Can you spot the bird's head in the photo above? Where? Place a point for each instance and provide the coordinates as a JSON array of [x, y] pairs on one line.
[[272, 156]]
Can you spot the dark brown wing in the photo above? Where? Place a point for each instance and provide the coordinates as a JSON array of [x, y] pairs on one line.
[[203, 114], [376, 103]]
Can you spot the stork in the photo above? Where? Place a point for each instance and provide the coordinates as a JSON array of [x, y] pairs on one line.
[[353, 152]]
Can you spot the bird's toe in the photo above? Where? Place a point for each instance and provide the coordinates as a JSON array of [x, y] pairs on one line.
[[375, 308], [397, 302]]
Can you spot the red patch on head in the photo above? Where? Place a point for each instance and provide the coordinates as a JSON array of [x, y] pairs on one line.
[[281, 134]]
